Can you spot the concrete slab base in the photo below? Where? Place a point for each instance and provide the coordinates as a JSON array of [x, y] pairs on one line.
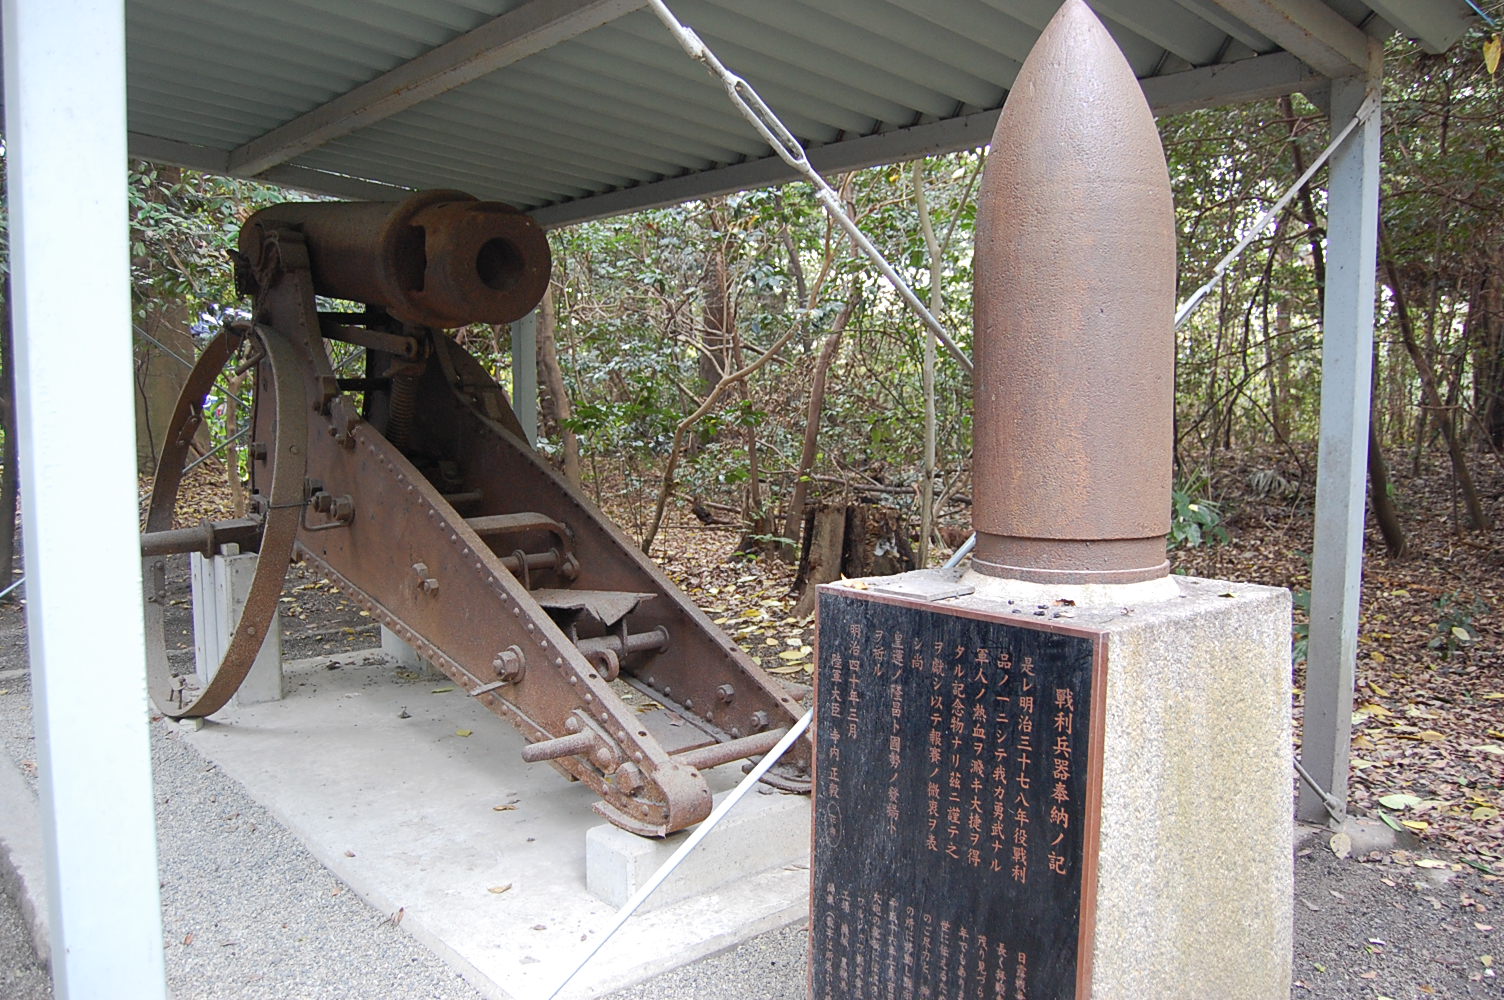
[[763, 832], [417, 797]]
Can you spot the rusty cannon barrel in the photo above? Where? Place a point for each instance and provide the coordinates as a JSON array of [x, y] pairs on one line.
[[439, 258], [1074, 312]]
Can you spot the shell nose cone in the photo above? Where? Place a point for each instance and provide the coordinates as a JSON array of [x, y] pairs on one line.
[[1074, 307]]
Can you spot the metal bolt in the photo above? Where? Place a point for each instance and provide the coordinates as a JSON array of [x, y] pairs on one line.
[[726, 691], [420, 570], [509, 664], [759, 721], [430, 586], [629, 778]]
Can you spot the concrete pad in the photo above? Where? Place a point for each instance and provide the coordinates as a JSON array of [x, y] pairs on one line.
[[763, 832], [22, 862], [481, 857]]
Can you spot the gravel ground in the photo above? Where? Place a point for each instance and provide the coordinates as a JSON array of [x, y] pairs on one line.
[[770, 967], [22, 977], [1391, 928], [247, 912]]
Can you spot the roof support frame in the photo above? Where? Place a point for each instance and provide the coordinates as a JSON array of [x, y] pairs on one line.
[[1309, 30], [215, 161], [504, 40], [1247, 80], [1341, 469], [1437, 27]]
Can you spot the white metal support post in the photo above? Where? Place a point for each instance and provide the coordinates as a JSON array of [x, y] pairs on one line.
[[525, 374], [1346, 364], [65, 176]]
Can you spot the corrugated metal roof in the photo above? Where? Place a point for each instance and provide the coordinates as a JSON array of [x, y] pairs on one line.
[[574, 108]]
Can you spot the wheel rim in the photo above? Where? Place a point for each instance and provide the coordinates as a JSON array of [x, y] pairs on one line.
[[283, 501]]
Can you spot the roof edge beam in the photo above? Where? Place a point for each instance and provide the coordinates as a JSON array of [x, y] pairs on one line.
[[1231, 83], [1438, 25], [1246, 80], [215, 161], [1307, 29], [504, 40]]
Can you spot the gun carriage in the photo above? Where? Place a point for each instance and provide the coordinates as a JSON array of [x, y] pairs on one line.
[[412, 487]]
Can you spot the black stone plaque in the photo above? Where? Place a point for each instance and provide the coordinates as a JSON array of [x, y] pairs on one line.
[[957, 794]]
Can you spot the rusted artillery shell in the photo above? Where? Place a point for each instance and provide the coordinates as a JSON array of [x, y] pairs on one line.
[[440, 258], [1074, 309]]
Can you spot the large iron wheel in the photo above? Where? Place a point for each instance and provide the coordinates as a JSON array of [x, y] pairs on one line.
[[280, 423]]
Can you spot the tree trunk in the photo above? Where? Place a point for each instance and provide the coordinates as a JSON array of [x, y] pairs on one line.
[[877, 542], [556, 406], [716, 336], [682, 429], [164, 353], [1278, 356], [796, 268], [1378, 478], [160, 376], [715, 328], [1383, 504], [795, 516], [757, 521], [825, 542], [1485, 320], [936, 304], [850, 540], [1477, 517]]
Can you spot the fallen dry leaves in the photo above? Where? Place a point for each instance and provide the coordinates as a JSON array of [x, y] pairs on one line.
[[1428, 715]]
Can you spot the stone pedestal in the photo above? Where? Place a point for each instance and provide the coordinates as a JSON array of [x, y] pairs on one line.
[[220, 586], [1019, 788]]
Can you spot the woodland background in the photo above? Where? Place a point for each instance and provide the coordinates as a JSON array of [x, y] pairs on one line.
[[718, 373]]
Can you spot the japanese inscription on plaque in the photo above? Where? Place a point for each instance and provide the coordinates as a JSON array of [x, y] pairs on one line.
[[956, 804]]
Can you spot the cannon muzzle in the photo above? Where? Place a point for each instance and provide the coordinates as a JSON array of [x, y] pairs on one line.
[[440, 258]]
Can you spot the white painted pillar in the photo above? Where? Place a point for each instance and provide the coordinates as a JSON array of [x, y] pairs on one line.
[[1346, 367], [65, 175], [525, 374]]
